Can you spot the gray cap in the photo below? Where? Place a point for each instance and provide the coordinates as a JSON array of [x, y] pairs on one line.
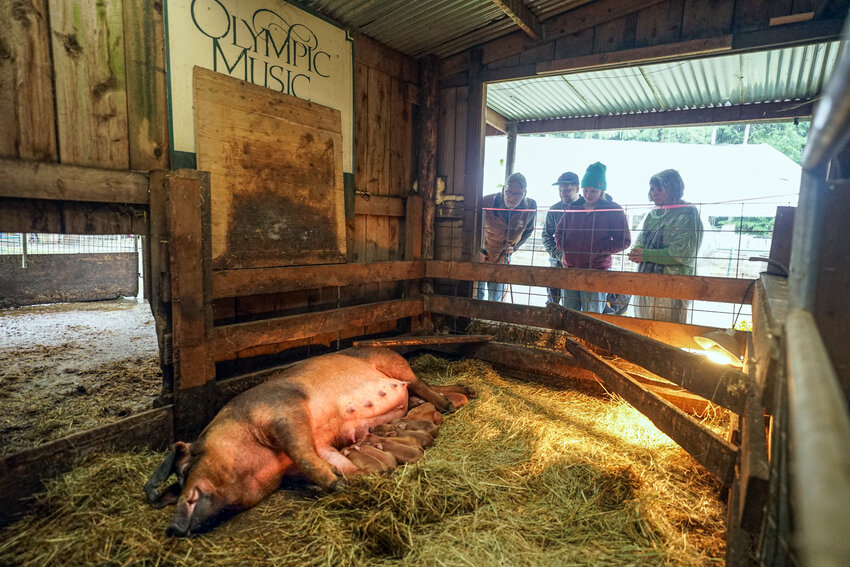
[[519, 178], [568, 177]]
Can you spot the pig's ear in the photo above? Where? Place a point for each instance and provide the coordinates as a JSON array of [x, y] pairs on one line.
[[160, 475], [182, 459], [168, 496], [176, 461]]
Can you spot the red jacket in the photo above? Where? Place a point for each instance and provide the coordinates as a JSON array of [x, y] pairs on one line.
[[588, 237]]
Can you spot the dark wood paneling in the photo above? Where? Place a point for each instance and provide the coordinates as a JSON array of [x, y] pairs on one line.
[[69, 217], [51, 278]]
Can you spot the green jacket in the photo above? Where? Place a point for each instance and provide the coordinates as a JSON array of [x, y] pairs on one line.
[[671, 238]]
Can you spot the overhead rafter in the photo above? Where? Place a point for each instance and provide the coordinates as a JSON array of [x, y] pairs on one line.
[[496, 120], [522, 16], [766, 112]]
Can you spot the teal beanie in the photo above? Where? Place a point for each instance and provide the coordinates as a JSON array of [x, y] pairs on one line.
[[595, 176]]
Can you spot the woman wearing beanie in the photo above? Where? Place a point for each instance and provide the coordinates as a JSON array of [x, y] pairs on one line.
[[588, 233], [508, 221], [668, 244]]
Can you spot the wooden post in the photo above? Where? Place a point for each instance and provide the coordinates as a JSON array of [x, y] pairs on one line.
[[413, 250], [159, 275], [473, 174], [510, 157], [190, 258], [429, 114], [820, 458]]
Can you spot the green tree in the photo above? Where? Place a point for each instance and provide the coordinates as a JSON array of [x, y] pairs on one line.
[[786, 137]]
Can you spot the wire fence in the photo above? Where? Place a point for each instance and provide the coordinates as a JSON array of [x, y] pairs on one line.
[[41, 243], [732, 234]]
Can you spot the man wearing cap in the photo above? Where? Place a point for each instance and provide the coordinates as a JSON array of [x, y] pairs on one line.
[[508, 221], [589, 233], [568, 190]]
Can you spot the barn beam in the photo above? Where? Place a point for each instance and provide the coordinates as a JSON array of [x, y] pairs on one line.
[[522, 17], [654, 53], [187, 205], [42, 180], [424, 340], [231, 339], [255, 281], [766, 112], [705, 288], [496, 120], [570, 22]]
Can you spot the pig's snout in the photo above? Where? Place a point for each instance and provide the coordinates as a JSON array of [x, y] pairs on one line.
[[194, 514]]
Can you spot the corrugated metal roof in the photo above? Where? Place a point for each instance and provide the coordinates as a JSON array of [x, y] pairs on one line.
[[441, 27], [790, 74]]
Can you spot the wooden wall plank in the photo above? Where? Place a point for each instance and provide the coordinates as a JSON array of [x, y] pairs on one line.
[[615, 35], [378, 176], [27, 117], [91, 100], [231, 283], [147, 105], [277, 189], [40, 180], [51, 278], [446, 137], [378, 133], [706, 18], [661, 23], [231, 339], [379, 205], [754, 14]]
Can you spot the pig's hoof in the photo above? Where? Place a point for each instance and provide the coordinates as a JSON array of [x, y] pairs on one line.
[[338, 485]]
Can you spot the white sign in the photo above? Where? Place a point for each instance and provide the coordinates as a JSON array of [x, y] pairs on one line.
[[266, 42]]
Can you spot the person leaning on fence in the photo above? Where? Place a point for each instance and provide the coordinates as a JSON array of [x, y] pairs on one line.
[[568, 191], [667, 244], [589, 233], [508, 221]]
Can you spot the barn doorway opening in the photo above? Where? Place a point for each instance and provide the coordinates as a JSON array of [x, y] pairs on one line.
[[78, 340]]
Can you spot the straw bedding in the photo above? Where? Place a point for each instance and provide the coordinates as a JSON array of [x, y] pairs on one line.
[[523, 475]]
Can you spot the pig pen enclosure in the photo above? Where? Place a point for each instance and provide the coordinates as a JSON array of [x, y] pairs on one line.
[[278, 228]]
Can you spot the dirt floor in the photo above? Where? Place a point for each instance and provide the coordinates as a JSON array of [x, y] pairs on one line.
[[68, 367]]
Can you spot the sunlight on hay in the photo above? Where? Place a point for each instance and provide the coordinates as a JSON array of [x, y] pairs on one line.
[[523, 475]]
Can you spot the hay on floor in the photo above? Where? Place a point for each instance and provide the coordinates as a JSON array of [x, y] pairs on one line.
[[523, 475]]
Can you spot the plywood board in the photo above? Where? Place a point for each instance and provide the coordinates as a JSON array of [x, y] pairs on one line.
[[276, 166]]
